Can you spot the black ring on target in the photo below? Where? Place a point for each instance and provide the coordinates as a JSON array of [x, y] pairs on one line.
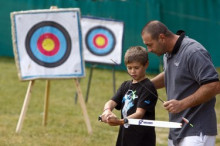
[[107, 37], [60, 32]]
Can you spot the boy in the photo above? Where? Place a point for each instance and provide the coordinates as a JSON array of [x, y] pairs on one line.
[[134, 101]]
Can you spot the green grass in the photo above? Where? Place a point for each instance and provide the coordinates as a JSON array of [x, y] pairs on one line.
[[66, 126]]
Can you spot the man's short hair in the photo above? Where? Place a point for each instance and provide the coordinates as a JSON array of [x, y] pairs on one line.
[[155, 28]]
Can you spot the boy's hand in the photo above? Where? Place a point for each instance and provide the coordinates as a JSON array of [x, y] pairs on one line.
[[114, 121], [106, 114]]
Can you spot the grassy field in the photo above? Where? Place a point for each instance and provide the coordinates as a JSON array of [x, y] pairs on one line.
[[66, 126]]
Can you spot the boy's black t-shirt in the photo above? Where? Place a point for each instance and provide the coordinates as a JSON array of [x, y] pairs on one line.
[[129, 97]]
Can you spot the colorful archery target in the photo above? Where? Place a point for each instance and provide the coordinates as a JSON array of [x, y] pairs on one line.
[[43, 44], [102, 40], [47, 44]]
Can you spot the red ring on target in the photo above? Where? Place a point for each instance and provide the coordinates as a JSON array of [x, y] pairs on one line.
[[100, 41], [48, 44]]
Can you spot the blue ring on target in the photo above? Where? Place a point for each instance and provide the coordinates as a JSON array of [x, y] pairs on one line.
[[107, 33], [48, 27], [38, 54]]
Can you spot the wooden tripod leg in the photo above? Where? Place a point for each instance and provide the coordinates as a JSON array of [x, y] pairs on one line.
[[89, 83], [46, 102], [25, 106], [83, 106]]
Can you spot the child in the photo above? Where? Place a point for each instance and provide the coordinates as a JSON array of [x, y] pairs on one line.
[[134, 101]]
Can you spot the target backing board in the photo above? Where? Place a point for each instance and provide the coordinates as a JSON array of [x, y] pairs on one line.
[[48, 44], [102, 40]]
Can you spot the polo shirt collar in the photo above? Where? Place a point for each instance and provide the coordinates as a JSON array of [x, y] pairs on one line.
[[178, 42], [176, 47]]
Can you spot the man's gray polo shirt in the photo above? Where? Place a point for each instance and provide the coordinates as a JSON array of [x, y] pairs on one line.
[[185, 71]]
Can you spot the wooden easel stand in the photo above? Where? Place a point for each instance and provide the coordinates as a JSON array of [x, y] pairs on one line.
[[46, 105]]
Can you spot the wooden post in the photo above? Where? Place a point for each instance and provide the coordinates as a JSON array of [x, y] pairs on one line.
[[83, 106], [25, 106], [89, 82], [46, 102]]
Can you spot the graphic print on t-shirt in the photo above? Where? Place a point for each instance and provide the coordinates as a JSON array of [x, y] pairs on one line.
[[128, 100]]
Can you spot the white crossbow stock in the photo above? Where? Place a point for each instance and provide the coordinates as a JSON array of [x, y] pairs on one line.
[[152, 123]]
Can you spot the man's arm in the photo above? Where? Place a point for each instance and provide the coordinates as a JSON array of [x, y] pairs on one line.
[[218, 88], [203, 94], [158, 81]]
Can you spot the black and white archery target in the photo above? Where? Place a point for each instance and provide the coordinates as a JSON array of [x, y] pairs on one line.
[[100, 41], [48, 44]]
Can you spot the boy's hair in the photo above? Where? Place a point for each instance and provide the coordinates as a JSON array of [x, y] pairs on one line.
[[136, 54]]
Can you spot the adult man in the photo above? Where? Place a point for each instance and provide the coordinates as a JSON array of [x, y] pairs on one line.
[[191, 83]]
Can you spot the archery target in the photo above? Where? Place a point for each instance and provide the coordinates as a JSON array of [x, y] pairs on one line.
[[102, 40], [47, 44], [43, 44]]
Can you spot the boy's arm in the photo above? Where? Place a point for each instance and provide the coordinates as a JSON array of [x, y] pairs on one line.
[[158, 81], [114, 121], [107, 111], [139, 114]]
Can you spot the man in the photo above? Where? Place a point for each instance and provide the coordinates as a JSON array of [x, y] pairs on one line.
[[191, 83]]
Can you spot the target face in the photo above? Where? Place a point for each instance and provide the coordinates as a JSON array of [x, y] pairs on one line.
[[100, 41], [48, 44], [49, 51]]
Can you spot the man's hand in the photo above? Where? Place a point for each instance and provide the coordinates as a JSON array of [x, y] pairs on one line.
[[173, 106]]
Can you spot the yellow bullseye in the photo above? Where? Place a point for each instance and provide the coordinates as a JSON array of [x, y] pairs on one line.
[[48, 44], [100, 41]]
